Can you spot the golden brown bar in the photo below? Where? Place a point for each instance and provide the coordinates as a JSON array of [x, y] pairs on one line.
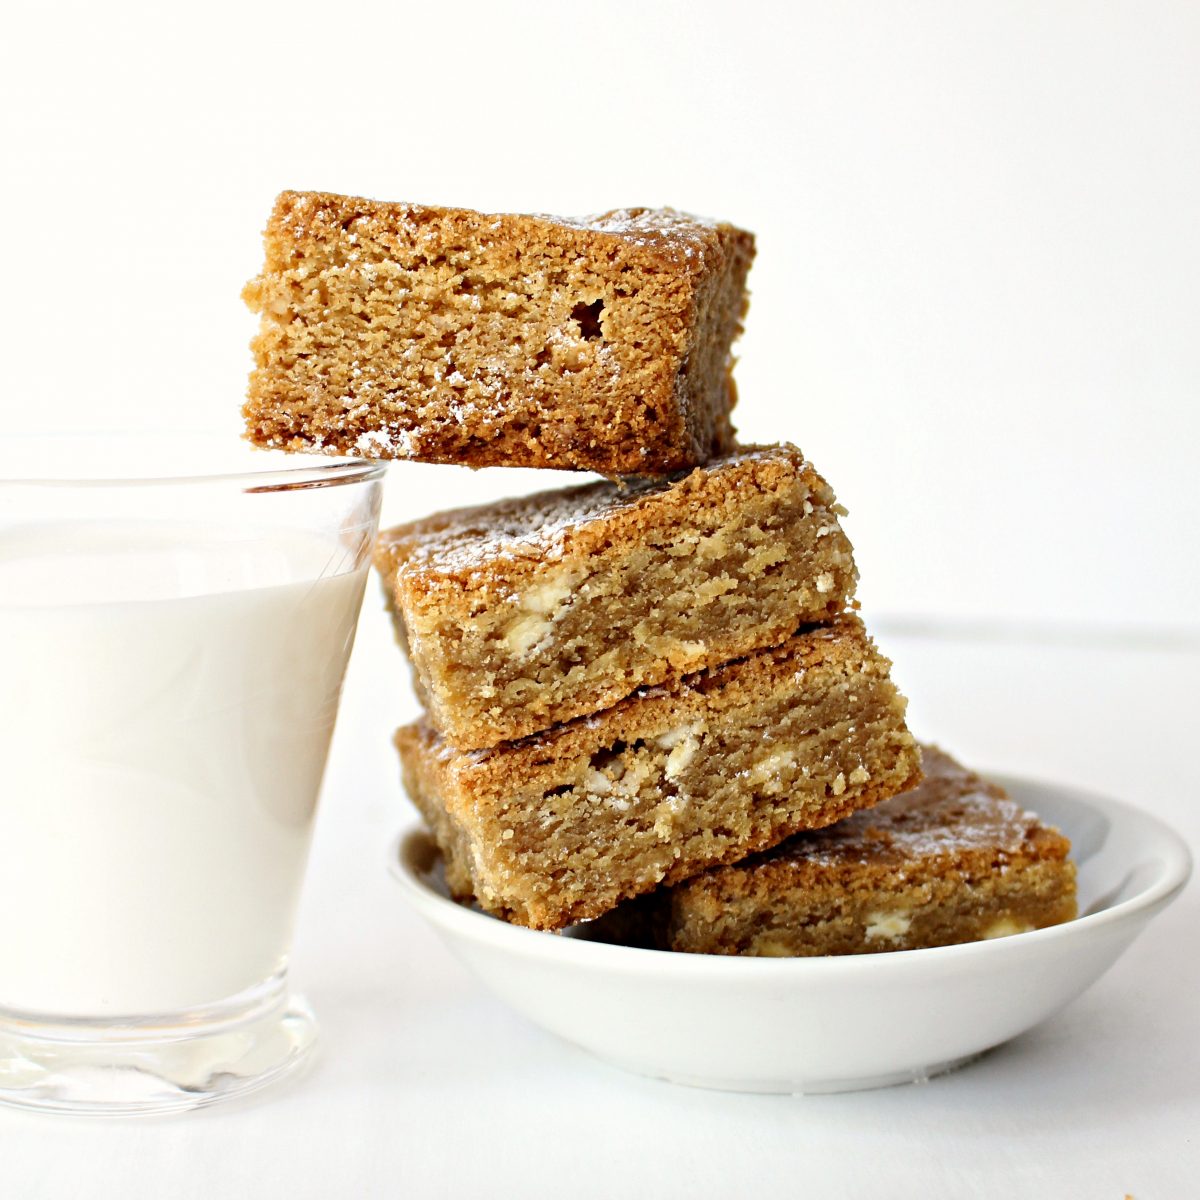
[[952, 860], [441, 334], [561, 826], [527, 613]]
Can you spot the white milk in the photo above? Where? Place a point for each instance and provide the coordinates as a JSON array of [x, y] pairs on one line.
[[164, 721]]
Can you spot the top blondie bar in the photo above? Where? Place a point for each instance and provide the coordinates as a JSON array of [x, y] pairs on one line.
[[440, 334]]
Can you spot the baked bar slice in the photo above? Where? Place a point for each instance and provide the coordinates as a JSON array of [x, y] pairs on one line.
[[952, 860], [527, 613], [440, 334], [561, 826]]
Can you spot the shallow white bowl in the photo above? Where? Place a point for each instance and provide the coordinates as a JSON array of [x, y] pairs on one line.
[[822, 1024]]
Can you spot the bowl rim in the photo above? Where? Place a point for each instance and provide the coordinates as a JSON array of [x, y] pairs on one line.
[[483, 928]]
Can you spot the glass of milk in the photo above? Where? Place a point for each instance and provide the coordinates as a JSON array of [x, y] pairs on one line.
[[176, 615]]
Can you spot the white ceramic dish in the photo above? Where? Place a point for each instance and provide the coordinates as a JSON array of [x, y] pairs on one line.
[[822, 1024]]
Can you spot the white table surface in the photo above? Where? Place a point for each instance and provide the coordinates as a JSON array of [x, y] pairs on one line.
[[426, 1086]]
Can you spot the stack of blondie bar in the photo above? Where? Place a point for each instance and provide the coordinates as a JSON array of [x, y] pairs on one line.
[[628, 684]]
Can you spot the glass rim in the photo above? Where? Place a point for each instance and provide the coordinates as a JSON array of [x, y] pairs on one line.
[[289, 472]]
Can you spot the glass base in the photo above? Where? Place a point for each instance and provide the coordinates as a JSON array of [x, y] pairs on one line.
[[156, 1064]]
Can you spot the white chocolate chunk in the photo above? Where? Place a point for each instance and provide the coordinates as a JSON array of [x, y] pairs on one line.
[[1006, 927], [523, 634], [768, 767], [540, 606], [769, 947], [887, 926]]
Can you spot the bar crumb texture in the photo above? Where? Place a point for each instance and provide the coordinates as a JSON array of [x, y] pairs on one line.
[[445, 335], [952, 860], [528, 613], [561, 826]]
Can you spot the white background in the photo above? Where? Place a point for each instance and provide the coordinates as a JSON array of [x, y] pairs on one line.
[[975, 306]]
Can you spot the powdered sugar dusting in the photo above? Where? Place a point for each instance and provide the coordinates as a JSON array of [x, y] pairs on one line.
[[951, 811], [383, 443], [663, 228], [541, 525]]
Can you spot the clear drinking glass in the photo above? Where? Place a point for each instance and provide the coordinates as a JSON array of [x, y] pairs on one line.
[[176, 615]]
